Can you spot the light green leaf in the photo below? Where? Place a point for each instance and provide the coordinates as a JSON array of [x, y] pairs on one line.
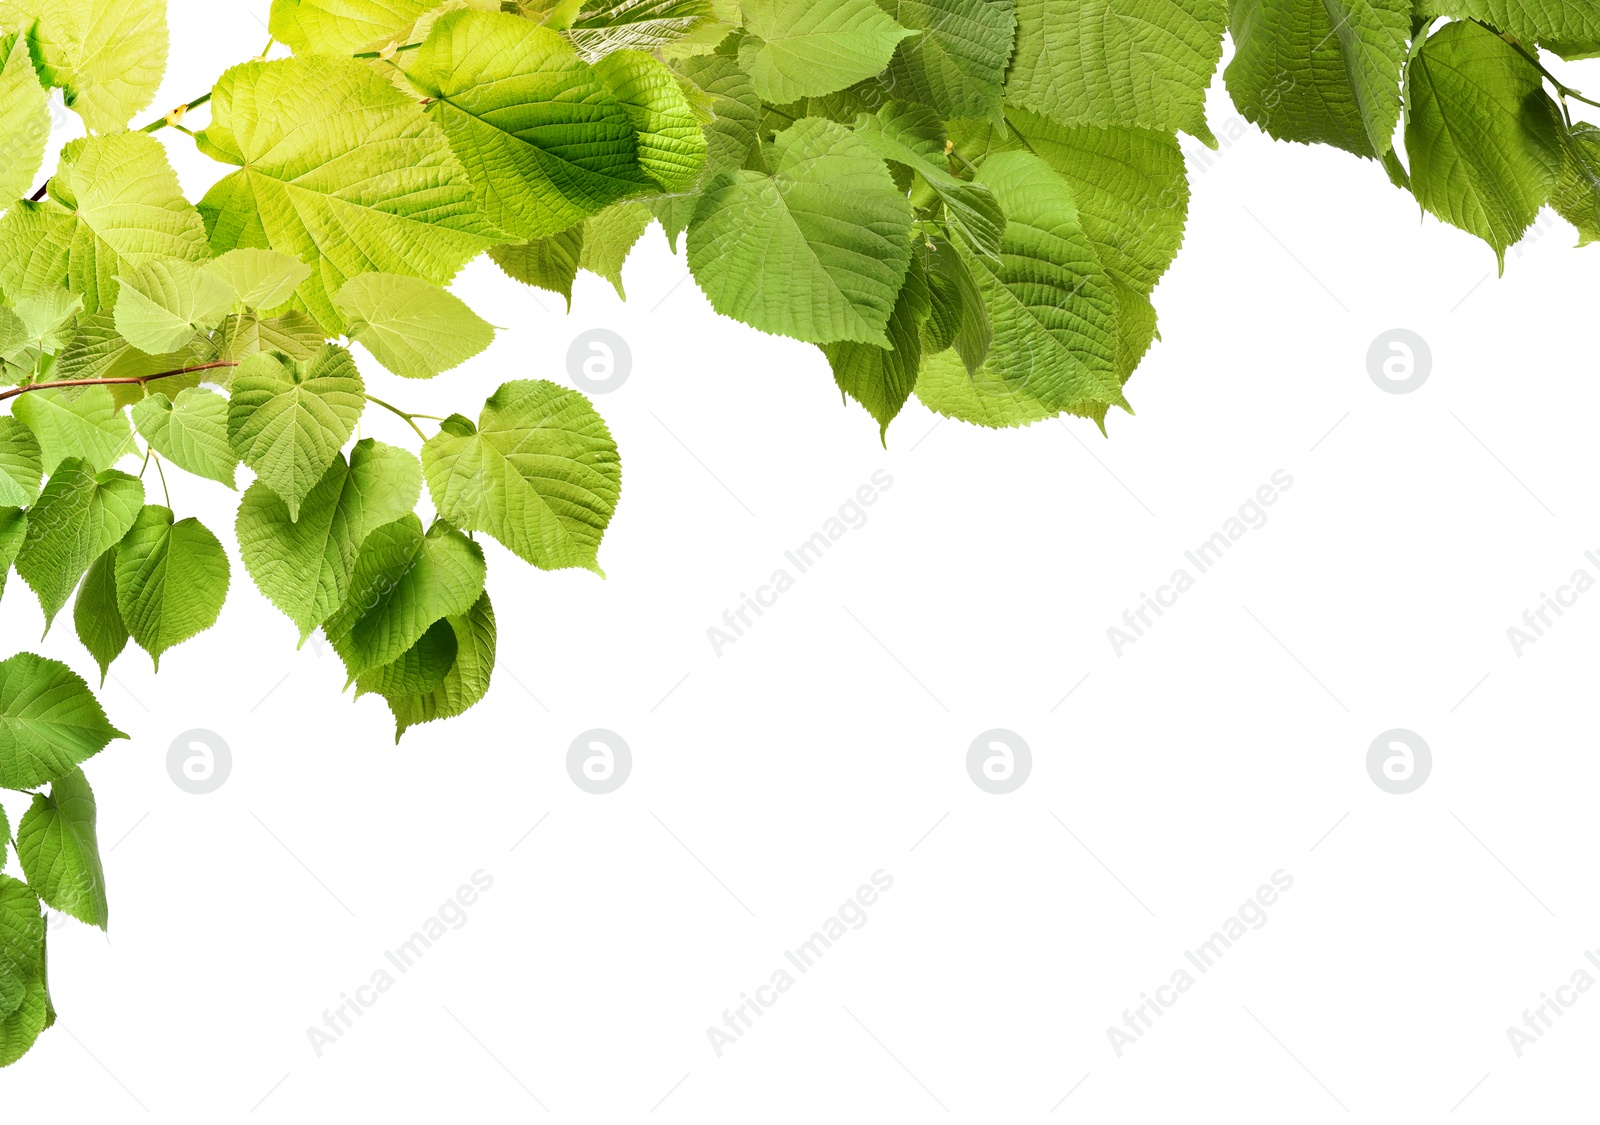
[[1483, 137], [1577, 195], [260, 279], [191, 432], [59, 852], [114, 204], [87, 424], [958, 64], [549, 263], [21, 938], [468, 678], [914, 136], [13, 529], [404, 581], [545, 139], [641, 25], [49, 721], [304, 567], [418, 670], [108, 56], [343, 27], [609, 237], [1321, 71], [958, 316], [289, 426], [24, 120], [412, 327], [1571, 28], [540, 473], [1141, 64], [882, 379], [1053, 306], [20, 1030], [671, 145], [294, 334], [815, 251], [95, 614], [983, 398], [337, 169], [21, 464], [45, 317], [172, 579], [79, 515], [98, 351], [797, 49], [163, 303], [730, 136]]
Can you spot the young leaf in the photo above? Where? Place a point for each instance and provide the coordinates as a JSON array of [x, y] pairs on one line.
[[260, 279], [21, 464], [404, 581], [337, 167], [639, 25], [1483, 137], [96, 616], [958, 64], [79, 515], [59, 853], [163, 303], [98, 351], [540, 473], [882, 379], [609, 237], [549, 263], [304, 567], [191, 432], [289, 427], [1141, 64], [465, 683], [21, 938], [343, 27], [49, 721], [412, 327], [983, 398], [24, 119], [107, 56], [817, 250], [172, 579], [797, 49]]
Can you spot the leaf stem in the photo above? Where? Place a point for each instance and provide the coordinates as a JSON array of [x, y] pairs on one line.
[[132, 379], [168, 119], [409, 418], [156, 457], [1563, 91]]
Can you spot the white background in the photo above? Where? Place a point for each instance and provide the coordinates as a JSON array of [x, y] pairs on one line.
[[830, 742]]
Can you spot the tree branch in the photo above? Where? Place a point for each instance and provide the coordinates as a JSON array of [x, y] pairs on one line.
[[132, 379]]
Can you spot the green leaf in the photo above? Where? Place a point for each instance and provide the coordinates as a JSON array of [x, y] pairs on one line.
[[546, 141], [1321, 71], [191, 432], [79, 515], [96, 616], [98, 351], [914, 136], [1577, 195], [49, 721], [42, 319], [172, 579], [289, 426], [294, 334], [21, 464], [339, 170], [730, 136], [163, 303], [13, 529], [540, 473], [1053, 306], [806, 48], [343, 27], [5, 843], [1571, 28], [609, 237], [671, 145], [404, 581], [418, 670], [20, 1030], [983, 398], [21, 939], [882, 379], [958, 316], [1141, 64], [549, 263], [108, 56], [817, 250], [304, 567], [958, 64], [59, 853], [468, 678], [640, 25], [86, 424], [1483, 137], [114, 204], [24, 119], [260, 279], [412, 327]]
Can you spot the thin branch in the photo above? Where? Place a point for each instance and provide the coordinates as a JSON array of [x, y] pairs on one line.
[[132, 379], [38, 195], [409, 418], [1563, 91], [168, 119]]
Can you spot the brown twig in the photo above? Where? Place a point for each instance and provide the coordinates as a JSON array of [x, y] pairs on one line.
[[132, 379]]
